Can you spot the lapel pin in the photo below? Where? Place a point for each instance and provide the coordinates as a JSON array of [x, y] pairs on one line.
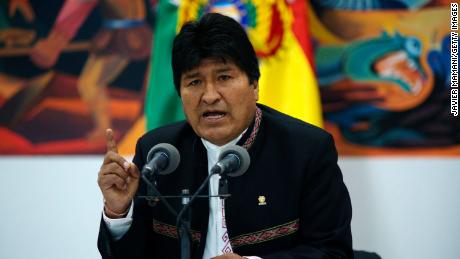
[[262, 200]]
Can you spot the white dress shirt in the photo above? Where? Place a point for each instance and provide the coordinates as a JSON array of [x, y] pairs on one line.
[[217, 240]]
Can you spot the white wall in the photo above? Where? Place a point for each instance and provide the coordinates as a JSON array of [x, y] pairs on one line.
[[402, 208], [50, 207], [405, 207]]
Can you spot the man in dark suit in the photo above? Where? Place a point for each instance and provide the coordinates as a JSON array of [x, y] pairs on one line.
[[291, 202]]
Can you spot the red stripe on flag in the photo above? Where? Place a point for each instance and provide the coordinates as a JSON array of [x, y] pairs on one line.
[[301, 28]]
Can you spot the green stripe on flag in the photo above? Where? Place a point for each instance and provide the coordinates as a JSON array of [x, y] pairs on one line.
[[162, 104]]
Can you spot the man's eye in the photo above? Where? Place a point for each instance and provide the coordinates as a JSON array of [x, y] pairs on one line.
[[224, 77], [194, 82]]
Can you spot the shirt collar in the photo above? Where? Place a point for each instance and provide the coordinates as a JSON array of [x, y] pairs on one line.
[[216, 149]]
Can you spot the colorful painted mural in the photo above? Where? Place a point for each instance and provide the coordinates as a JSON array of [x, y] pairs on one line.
[[69, 70], [384, 70]]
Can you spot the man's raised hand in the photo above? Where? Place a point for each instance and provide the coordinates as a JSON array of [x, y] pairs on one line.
[[118, 180]]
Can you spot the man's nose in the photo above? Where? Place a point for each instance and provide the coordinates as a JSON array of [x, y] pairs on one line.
[[211, 94]]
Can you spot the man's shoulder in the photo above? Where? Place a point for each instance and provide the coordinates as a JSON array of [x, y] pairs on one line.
[[288, 126]]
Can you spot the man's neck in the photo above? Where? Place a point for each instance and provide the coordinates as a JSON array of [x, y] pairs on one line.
[[209, 144]]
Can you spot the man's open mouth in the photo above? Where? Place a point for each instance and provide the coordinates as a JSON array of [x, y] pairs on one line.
[[214, 115]]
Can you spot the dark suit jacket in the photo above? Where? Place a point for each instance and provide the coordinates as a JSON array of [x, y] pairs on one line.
[[307, 210]]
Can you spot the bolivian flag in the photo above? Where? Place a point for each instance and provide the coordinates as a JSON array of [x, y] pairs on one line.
[[278, 30]]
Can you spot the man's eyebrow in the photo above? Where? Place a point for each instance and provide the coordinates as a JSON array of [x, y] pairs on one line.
[[224, 69], [193, 74], [190, 75]]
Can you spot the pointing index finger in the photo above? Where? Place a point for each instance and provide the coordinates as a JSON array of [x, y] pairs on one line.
[[111, 145]]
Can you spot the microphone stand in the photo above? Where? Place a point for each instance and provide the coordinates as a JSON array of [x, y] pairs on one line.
[[185, 227], [184, 217], [223, 186]]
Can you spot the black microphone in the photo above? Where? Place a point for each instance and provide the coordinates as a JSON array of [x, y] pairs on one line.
[[162, 159], [233, 161]]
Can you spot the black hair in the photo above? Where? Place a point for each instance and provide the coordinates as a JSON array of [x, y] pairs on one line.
[[213, 36]]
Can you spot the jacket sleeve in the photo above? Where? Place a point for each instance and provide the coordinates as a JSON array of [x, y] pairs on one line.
[[326, 212], [133, 244]]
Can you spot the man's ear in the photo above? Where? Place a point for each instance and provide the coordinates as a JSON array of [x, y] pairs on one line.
[[255, 84]]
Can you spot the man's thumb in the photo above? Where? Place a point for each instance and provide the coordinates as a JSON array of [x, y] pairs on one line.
[[133, 170]]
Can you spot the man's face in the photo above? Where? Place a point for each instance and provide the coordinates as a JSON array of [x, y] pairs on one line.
[[218, 100]]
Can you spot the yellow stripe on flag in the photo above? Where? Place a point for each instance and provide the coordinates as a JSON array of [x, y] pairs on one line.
[[288, 83]]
